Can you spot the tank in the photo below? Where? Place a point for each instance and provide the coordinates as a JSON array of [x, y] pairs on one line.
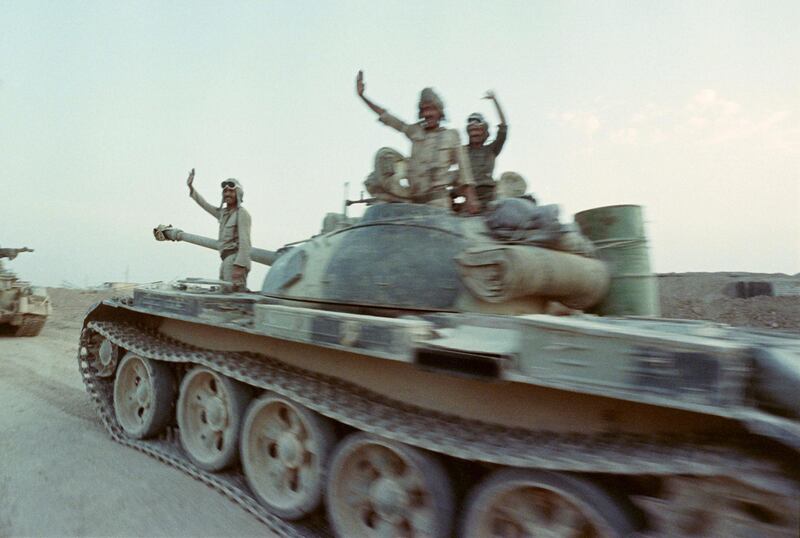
[[23, 308], [402, 376]]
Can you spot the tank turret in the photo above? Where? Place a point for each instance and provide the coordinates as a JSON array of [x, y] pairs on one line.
[[410, 257]]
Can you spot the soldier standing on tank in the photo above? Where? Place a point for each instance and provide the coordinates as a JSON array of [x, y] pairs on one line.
[[482, 155], [234, 231], [434, 150]]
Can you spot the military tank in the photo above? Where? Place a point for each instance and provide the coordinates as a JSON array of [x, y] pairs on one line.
[[399, 376], [23, 308]]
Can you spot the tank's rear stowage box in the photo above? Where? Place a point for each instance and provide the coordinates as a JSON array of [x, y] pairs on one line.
[[400, 377]]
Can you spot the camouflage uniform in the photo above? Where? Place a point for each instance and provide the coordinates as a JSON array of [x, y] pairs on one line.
[[234, 236], [481, 159], [432, 154]]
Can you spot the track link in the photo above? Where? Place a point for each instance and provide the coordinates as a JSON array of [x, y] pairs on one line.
[[446, 434]]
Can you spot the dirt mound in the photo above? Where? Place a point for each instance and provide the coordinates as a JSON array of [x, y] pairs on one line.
[[703, 296], [70, 305]]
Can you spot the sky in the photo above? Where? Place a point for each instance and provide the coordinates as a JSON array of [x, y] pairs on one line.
[[688, 108]]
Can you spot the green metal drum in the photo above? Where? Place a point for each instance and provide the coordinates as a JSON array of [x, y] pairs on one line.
[[618, 233]]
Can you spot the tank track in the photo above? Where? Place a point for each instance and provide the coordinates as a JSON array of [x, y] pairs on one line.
[[31, 325], [467, 439]]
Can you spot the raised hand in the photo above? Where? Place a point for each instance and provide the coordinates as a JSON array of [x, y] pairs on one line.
[[492, 97], [190, 180], [360, 83]]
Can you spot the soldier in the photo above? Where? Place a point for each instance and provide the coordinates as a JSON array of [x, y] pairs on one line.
[[482, 155], [234, 231], [434, 150]]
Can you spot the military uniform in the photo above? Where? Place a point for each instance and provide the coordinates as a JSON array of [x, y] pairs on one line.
[[432, 154], [481, 160], [234, 237]]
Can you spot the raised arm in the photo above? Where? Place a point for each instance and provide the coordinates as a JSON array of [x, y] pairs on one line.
[[360, 86], [502, 129], [383, 115], [213, 211], [493, 98]]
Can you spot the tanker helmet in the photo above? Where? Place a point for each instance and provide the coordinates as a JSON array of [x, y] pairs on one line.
[[233, 183], [476, 118], [511, 185]]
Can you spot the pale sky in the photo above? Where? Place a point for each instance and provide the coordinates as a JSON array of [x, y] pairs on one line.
[[691, 109]]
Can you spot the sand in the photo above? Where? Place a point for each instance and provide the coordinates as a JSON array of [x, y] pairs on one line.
[[60, 473]]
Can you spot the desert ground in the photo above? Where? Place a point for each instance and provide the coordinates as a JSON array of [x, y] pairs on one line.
[[61, 475]]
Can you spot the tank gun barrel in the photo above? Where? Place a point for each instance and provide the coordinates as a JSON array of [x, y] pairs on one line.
[[169, 233], [12, 253]]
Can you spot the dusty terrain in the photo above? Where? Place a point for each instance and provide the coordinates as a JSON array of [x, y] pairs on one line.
[[60, 475], [703, 296]]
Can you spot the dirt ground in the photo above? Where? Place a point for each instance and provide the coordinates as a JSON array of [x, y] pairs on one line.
[[61, 475], [703, 296]]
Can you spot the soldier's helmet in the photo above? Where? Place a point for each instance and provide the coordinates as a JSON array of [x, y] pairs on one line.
[[428, 95], [386, 182], [233, 182], [476, 118], [511, 185]]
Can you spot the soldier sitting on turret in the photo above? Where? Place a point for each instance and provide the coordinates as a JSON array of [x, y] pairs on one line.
[[234, 231], [434, 150]]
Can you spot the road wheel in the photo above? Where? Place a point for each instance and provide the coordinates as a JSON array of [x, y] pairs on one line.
[[144, 395], [210, 411], [285, 449], [379, 488], [521, 503], [107, 357]]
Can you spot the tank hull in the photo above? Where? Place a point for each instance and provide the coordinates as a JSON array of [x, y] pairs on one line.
[[645, 411]]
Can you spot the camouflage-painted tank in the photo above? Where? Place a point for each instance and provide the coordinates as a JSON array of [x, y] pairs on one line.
[[397, 376], [23, 308]]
